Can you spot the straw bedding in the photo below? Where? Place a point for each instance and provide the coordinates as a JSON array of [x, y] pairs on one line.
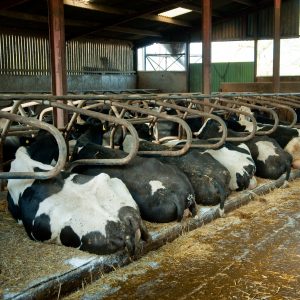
[[23, 261]]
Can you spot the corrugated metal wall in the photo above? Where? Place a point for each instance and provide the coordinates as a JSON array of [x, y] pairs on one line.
[[25, 55], [85, 57], [221, 72], [244, 27]]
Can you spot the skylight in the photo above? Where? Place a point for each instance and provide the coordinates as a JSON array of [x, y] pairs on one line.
[[174, 12]]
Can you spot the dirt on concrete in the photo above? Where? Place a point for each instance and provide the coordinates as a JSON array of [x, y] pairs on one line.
[[251, 253]]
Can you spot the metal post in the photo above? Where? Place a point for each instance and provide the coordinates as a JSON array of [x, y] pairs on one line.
[[255, 47], [187, 65], [276, 47], [58, 57], [206, 46]]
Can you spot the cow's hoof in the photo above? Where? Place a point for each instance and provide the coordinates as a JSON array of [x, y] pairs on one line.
[[285, 184], [221, 212]]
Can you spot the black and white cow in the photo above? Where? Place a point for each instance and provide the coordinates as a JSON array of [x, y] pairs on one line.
[[92, 213], [10, 146], [236, 158], [162, 192], [288, 138], [238, 161], [270, 159], [208, 177]]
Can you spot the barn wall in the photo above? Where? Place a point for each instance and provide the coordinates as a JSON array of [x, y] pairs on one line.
[[76, 83], [243, 26], [164, 81], [221, 72], [91, 65], [260, 87], [282, 78]]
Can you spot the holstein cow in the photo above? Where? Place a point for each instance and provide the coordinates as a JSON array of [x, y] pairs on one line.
[[236, 158], [288, 138], [270, 159], [162, 192], [238, 161], [92, 213], [10, 146], [208, 177]]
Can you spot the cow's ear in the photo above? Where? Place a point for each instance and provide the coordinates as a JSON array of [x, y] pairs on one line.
[[93, 122], [105, 126]]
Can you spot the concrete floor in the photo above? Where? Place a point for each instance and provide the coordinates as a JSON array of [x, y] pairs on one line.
[[251, 253]]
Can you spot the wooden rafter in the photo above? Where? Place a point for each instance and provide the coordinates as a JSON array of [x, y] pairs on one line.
[[69, 22], [246, 2], [135, 15], [145, 15], [5, 4]]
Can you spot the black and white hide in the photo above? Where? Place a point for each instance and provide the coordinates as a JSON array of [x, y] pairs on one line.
[[270, 159], [287, 138], [209, 178], [238, 161], [10, 146], [162, 192], [92, 213]]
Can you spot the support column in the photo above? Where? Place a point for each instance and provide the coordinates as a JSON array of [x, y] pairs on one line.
[[255, 47], [187, 65], [57, 57], [276, 47], [255, 60], [206, 46]]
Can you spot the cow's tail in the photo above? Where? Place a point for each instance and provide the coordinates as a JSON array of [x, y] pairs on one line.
[[188, 204], [221, 207], [288, 168]]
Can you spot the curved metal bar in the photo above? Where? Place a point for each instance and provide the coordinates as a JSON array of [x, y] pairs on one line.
[[115, 161], [127, 97], [14, 109], [27, 104], [80, 104], [290, 100], [185, 126], [44, 111], [266, 109], [60, 142], [94, 105], [222, 139], [100, 116], [278, 105], [232, 139]]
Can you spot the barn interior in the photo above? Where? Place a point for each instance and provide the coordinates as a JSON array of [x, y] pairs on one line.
[[60, 59]]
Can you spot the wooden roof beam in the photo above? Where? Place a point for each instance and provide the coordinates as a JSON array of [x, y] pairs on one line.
[[68, 22], [129, 17], [198, 9], [246, 2], [5, 4], [145, 16], [97, 7]]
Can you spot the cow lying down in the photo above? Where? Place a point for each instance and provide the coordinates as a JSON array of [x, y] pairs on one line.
[[209, 178], [162, 192], [236, 160], [271, 160], [92, 213]]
